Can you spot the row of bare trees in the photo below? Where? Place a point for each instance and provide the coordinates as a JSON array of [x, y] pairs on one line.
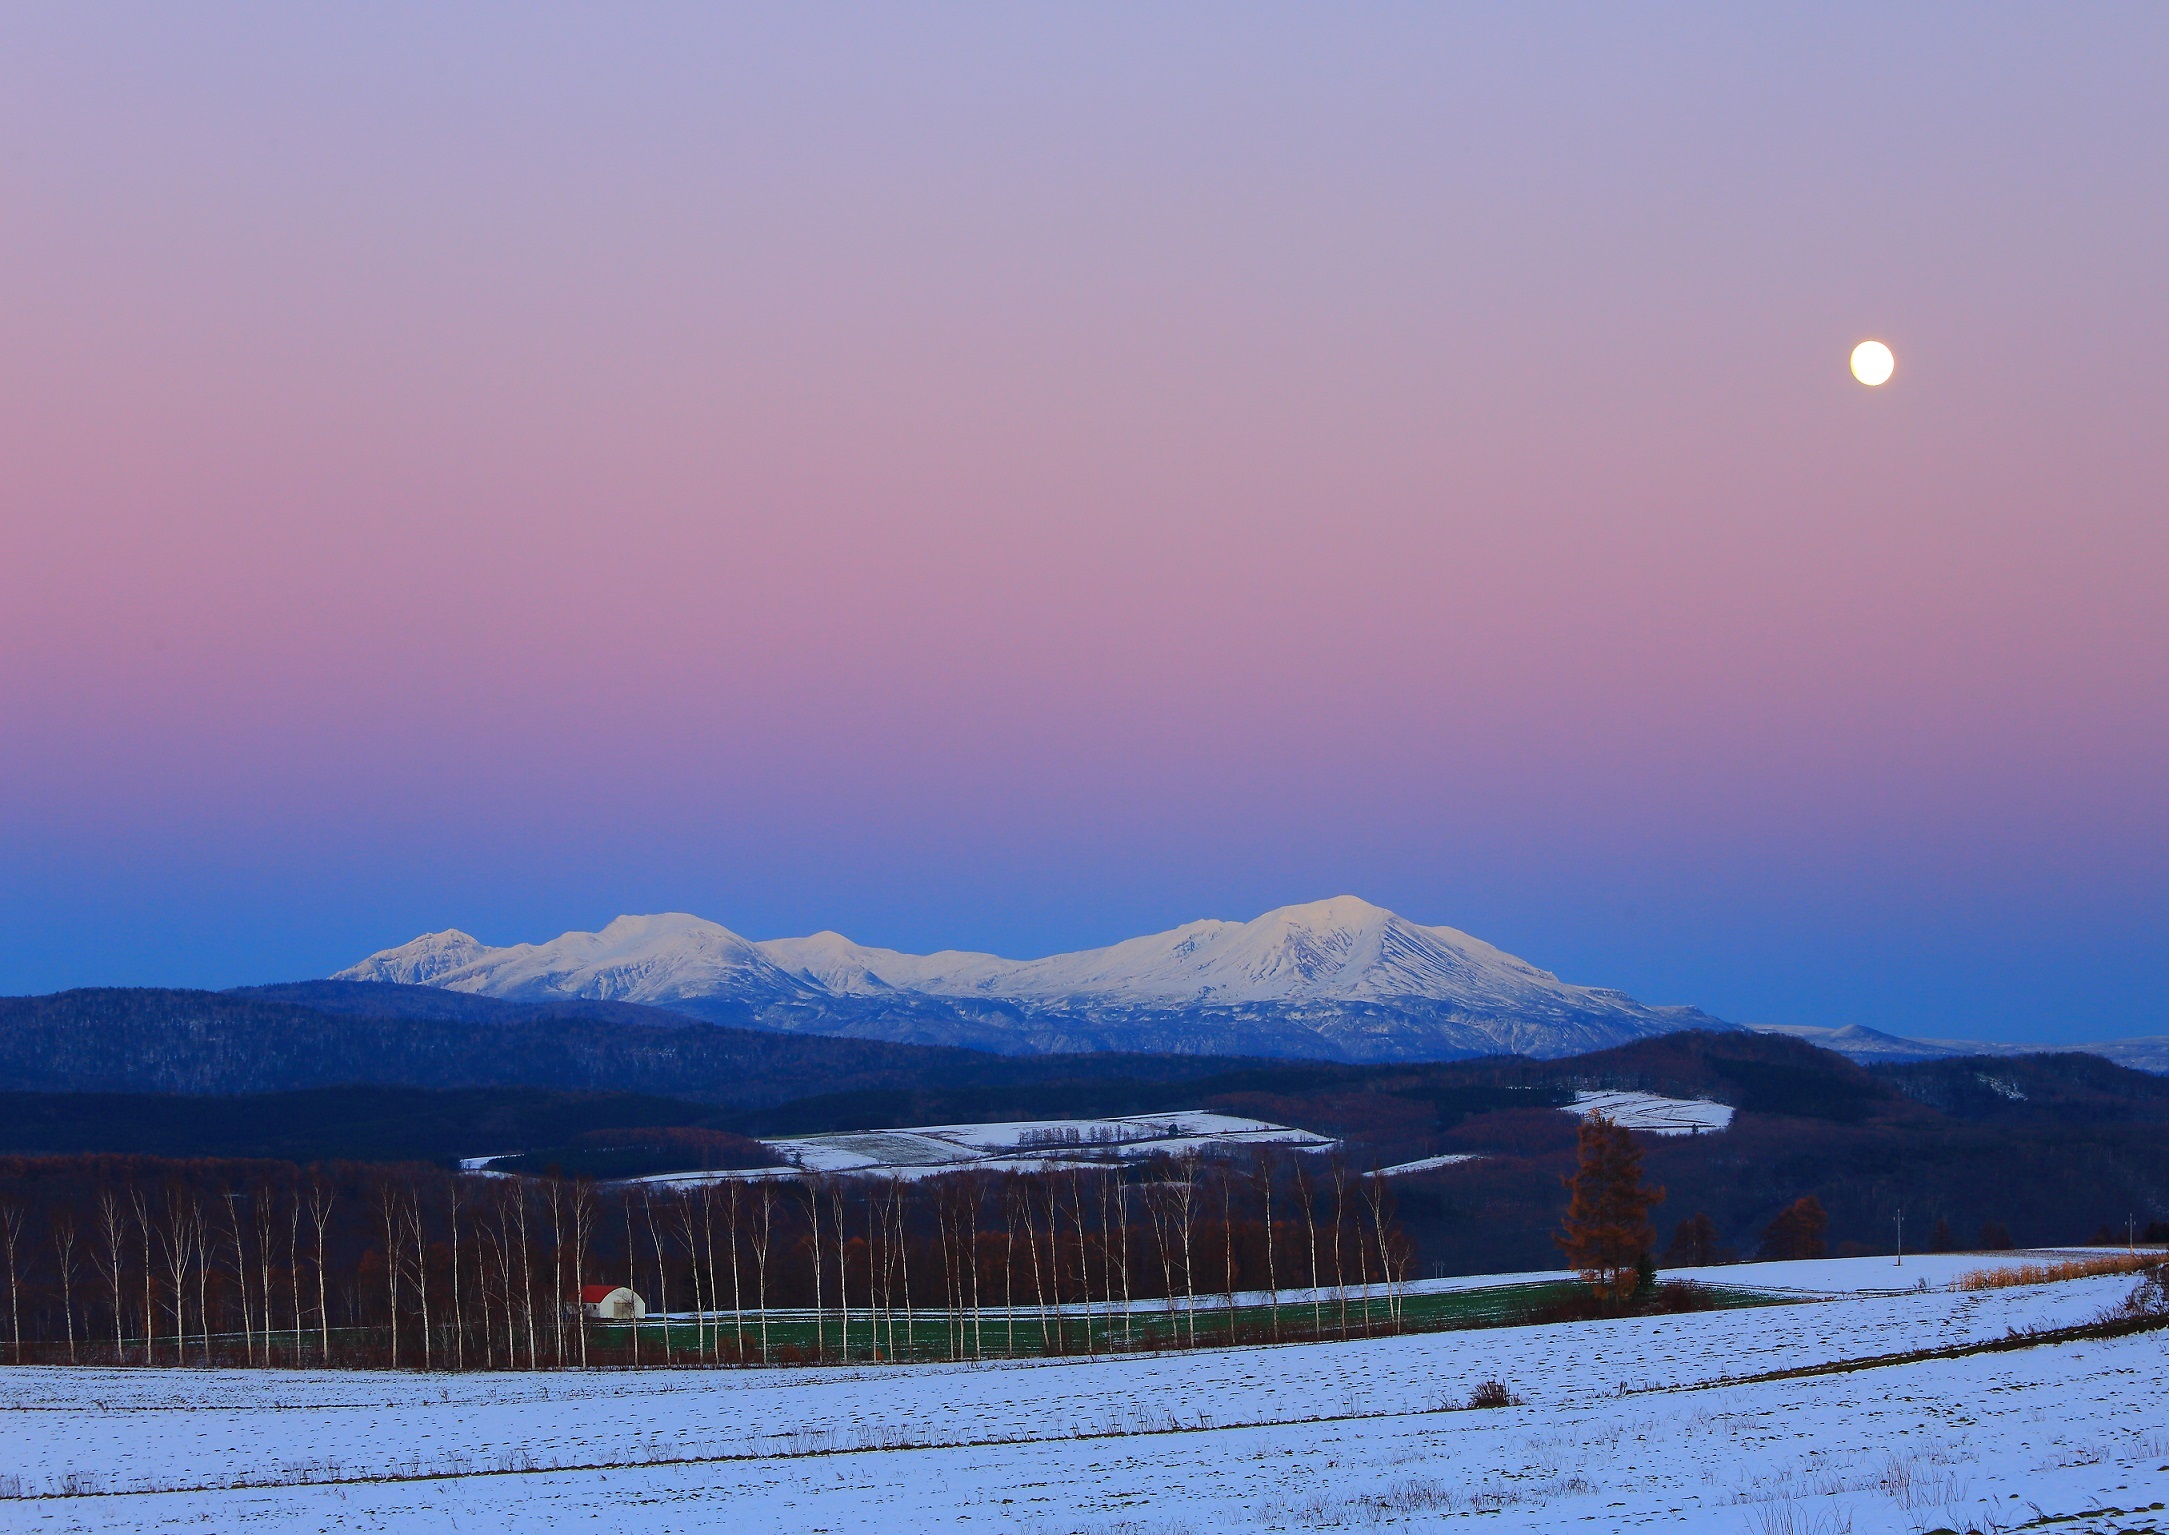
[[142, 1261]]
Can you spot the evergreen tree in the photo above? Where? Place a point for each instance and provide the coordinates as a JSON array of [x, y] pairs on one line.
[[1607, 1230]]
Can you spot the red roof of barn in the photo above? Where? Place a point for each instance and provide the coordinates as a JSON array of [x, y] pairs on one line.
[[596, 1294]]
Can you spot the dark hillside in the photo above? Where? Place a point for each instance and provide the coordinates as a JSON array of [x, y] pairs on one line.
[[1757, 1073], [2050, 1149], [1399, 1113], [2055, 1088], [359, 1124], [382, 999], [161, 1041]]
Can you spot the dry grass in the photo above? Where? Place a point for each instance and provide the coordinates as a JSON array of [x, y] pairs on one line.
[[2049, 1273], [1493, 1393]]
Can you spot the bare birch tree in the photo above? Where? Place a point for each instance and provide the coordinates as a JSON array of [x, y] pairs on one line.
[[1306, 1198], [662, 1269], [760, 1257], [1262, 1178], [11, 1239], [583, 1232], [810, 1189], [62, 1225], [263, 1208], [142, 1211], [1339, 1170], [237, 1254], [836, 1205], [110, 1258], [320, 1203], [459, 1315], [418, 1244]]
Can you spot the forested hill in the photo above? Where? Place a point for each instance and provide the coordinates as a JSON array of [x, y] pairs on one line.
[[2042, 1148], [2062, 1088], [170, 1041], [378, 999]]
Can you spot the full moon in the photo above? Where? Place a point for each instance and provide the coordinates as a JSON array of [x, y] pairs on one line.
[[1872, 363]]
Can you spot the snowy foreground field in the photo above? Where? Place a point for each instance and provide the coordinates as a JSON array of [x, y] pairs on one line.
[[1622, 1425]]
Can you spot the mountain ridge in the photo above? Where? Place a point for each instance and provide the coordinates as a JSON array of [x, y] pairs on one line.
[[1858, 1042], [1336, 979]]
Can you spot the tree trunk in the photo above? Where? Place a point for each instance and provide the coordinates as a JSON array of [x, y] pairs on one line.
[[1304, 1193], [760, 1257], [738, 1299], [662, 1271], [262, 1204], [63, 1227], [583, 1225], [843, 1277], [150, 1316], [812, 1188], [459, 1315], [111, 1226], [527, 1276], [231, 1198], [903, 1258], [388, 1207], [421, 1265], [1340, 1273], [320, 1200], [557, 1271], [1039, 1283]]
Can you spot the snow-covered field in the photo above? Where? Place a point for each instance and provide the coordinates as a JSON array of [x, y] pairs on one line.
[[1654, 1115], [1034, 1145], [1622, 1425], [1429, 1164]]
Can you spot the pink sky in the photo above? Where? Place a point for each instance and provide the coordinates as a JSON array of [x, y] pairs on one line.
[[1014, 481]]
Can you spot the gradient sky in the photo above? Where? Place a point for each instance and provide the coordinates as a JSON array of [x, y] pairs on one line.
[[1015, 477]]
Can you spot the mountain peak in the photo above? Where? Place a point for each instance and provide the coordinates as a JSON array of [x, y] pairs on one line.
[[658, 958], [1337, 961], [1334, 911], [422, 961]]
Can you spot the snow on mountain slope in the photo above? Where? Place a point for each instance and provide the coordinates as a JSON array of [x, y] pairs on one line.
[[1860, 1043], [1339, 978], [833, 962], [424, 962], [1867, 1046], [1342, 949], [665, 959]]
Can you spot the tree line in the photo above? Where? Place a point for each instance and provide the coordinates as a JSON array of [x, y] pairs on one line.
[[146, 1261]]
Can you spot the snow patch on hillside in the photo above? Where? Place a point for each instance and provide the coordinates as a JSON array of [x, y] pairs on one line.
[[1032, 1145], [1652, 1114]]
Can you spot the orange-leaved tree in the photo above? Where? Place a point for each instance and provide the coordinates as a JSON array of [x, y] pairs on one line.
[[1607, 1231], [1798, 1230]]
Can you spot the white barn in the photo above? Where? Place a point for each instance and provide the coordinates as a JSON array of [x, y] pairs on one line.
[[611, 1303]]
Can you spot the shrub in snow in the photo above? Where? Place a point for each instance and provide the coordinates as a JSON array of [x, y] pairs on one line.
[[1493, 1393]]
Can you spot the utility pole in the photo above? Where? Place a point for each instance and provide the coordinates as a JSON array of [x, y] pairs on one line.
[[1901, 1236]]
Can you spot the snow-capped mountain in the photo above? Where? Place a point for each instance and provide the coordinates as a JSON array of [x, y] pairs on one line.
[[1342, 949], [658, 960], [1339, 978], [2147, 1052]]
